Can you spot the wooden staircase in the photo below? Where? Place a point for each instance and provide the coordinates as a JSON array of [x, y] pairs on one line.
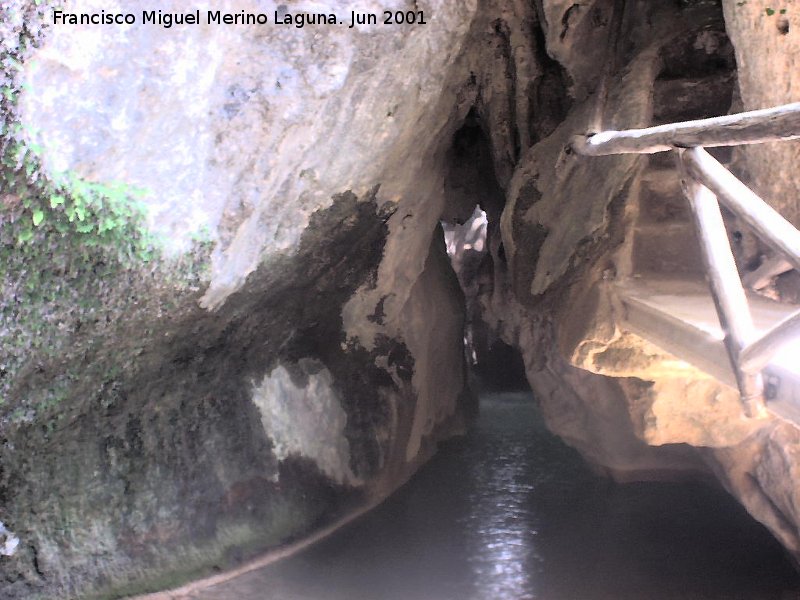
[[664, 238], [680, 240]]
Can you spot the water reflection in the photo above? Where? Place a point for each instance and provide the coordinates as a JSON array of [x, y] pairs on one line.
[[510, 513], [501, 530]]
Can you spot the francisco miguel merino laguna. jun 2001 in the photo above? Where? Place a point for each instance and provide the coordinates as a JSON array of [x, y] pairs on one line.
[[216, 17]]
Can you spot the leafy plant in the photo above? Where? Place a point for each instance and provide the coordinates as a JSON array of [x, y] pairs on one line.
[[77, 262]]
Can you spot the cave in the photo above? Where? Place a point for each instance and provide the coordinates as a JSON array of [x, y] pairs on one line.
[[355, 308]]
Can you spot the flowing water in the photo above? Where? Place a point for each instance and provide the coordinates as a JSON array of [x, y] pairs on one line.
[[510, 512]]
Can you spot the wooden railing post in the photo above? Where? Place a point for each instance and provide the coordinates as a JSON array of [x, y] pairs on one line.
[[770, 226], [724, 282]]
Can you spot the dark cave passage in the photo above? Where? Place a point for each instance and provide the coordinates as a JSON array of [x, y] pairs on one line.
[[474, 205]]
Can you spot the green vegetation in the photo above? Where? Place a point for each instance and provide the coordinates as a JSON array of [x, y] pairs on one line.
[[769, 11], [77, 262], [88, 214]]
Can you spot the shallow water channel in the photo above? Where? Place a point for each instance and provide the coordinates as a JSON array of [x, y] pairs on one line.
[[510, 512]]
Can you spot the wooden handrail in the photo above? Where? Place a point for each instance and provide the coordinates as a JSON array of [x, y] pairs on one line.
[[754, 127]]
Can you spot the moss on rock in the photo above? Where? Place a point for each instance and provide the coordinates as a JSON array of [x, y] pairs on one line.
[[76, 257]]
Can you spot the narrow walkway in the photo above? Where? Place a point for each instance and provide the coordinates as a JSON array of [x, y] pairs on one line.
[[664, 248], [512, 513], [680, 317]]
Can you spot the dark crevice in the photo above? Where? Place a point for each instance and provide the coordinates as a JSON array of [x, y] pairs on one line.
[[565, 19], [470, 175], [698, 74], [473, 197], [498, 366], [548, 95], [503, 35]]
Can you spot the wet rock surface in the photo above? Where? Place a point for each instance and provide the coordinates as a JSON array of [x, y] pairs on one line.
[[176, 456]]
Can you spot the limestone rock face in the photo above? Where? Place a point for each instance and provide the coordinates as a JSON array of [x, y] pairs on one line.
[[241, 130], [296, 346], [574, 31], [309, 365], [767, 41]]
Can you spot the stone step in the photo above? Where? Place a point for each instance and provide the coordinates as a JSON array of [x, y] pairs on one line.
[[666, 250], [660, 197], [664, 179], [666, 161]]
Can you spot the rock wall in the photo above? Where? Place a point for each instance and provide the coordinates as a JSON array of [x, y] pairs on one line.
[[767, 44], [569, 228], [291, 345]]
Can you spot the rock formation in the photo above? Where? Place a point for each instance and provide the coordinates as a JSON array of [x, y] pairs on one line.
[[258, 328], [214, 403]]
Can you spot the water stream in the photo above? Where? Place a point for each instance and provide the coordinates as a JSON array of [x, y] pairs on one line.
[[510, 512]]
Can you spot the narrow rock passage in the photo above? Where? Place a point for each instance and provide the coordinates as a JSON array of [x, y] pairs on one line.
[[511, 512]]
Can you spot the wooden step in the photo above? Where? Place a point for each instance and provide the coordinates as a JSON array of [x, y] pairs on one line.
[[679, 316]]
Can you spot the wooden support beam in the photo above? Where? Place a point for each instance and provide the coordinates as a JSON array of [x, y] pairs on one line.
[[770, 268], [724, 283], [757, 355], [767, 223], [754, 127], [677, 336]]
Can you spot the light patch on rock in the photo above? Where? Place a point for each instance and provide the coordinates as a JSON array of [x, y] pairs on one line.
[[8, 541], [308, 421]]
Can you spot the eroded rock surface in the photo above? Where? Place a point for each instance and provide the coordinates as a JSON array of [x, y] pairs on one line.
[[767, 45], [572, 228], [319, 357], [241, 409]]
